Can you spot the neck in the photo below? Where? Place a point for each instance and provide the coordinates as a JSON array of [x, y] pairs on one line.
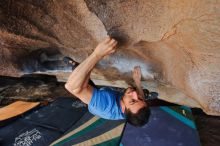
[[122, 105]]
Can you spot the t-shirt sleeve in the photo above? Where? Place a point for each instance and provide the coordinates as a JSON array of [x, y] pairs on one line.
[[101, 102]]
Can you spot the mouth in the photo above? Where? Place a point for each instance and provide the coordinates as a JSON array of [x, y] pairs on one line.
[[128, 92], [130, 89]]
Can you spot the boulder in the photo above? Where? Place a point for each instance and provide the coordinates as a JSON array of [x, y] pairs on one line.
[[176, 43]]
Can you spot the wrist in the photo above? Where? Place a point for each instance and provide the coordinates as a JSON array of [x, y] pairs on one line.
[[96, 56], [138, 83]]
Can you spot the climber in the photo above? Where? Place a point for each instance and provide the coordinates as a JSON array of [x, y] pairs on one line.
[[106, 102]]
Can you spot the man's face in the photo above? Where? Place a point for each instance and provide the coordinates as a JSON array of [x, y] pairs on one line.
[[132, 100]]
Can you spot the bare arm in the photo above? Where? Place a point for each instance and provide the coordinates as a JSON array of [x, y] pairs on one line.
[[137, 79], [77, 84]]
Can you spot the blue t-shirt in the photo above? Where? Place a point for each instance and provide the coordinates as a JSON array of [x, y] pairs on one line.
[[105, 103]]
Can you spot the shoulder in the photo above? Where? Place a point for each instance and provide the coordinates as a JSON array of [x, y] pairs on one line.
[[102, 101], [108, 90], [103, 95]]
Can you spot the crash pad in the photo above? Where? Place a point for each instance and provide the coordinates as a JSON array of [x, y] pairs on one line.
[[167, 126], [43, 125], [25, 133], [92, 130], [15, 109], [59, 115]]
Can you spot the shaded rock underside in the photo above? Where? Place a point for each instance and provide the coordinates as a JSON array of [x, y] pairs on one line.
[[176, 43]]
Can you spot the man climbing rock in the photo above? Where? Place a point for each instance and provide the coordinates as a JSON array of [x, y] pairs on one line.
[[105, 102]]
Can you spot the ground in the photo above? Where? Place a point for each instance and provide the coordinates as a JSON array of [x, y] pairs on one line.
[[46, 88]]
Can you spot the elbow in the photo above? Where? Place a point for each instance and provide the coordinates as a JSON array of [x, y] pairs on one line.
[[67, 87], [71, 89]]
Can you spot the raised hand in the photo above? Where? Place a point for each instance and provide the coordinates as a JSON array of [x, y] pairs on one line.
[[136, 74], [107, 47]]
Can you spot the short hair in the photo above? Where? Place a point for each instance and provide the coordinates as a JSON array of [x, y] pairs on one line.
[[140, 118]]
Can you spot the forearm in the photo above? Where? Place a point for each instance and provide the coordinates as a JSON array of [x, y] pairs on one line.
[[80, 76], [77, 83], [139, 88], [137, 79]]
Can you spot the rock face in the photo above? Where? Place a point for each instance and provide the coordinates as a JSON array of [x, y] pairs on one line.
[[176, 43]]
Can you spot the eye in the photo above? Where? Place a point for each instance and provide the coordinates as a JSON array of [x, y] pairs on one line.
[[141, 99], [132, 101]]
